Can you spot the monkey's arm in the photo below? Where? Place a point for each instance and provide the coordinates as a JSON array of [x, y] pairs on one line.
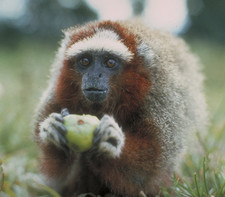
[[123, 160], [56, 160], [128, 159]]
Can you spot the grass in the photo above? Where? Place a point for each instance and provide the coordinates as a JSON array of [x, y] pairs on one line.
[[23, 75]]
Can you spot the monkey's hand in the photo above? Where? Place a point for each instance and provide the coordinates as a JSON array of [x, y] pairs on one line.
[[53, 131], [109, 138]]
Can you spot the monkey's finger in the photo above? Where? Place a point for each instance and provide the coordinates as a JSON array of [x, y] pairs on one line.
[[64, 112], [57, 138], [60, 128], [97, 139], [57, 117]]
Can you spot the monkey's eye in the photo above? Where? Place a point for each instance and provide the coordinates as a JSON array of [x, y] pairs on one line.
[[110, 63], [84, 61]]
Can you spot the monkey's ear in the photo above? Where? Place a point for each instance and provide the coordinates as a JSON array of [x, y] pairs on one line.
[[145, 51]]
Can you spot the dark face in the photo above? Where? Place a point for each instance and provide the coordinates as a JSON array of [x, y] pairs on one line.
[[96, 69]]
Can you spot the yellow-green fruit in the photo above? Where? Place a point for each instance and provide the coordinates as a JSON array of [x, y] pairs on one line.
[[80, 131]]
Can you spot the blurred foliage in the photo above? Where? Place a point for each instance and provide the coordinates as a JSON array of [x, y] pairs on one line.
[[138, 6], [207, 19], [49, 17], [46, 18], [24, 71]]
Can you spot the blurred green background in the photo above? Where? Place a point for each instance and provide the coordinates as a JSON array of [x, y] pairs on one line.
[[28, 42]]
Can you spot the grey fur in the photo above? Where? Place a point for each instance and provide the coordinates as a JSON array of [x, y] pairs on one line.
[[176, 102]]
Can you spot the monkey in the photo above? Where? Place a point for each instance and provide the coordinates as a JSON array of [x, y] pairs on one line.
[[144, 85]]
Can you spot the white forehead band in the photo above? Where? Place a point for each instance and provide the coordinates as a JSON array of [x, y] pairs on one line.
[[103, 40]]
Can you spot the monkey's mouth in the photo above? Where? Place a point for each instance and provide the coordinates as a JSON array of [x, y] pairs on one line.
[[96, 90], [95, 95]]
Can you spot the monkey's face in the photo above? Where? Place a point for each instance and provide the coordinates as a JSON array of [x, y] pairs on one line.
[[96, 69], [96, 59], [102, 68]]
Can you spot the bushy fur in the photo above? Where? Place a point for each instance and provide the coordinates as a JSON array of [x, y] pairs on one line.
[[157, 101]]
